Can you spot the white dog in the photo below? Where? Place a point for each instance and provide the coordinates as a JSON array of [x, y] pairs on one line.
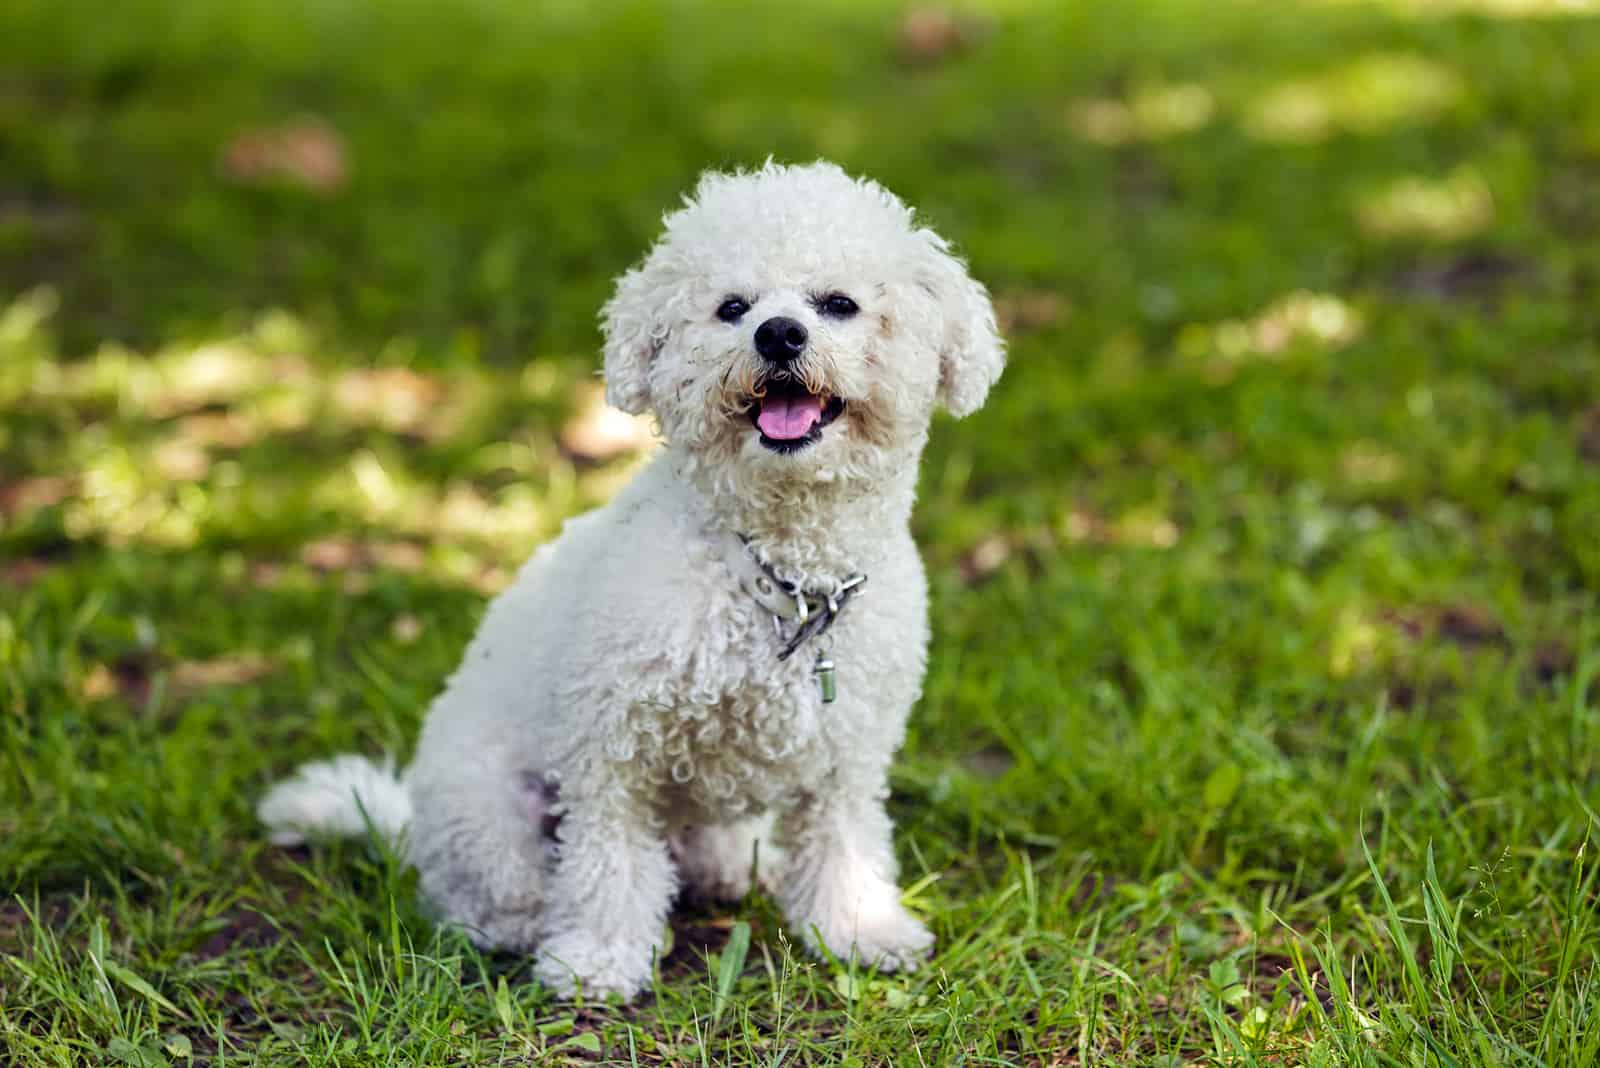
[[714, 670]]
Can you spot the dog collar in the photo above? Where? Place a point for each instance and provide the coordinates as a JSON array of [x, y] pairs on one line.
[[798, 613]]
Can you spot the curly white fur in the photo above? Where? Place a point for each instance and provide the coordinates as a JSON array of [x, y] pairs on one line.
[[620, 724]]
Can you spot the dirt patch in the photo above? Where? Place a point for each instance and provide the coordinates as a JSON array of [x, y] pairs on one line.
[[692, 939], [1568, 198], [1267, 971], [52, 912], [1407, 695], [1469, 626], [1552, 661], [1589, 435], [990, 762], [1142, 181], [1472, 276], [128, 677], [23, 572], [244, 929]]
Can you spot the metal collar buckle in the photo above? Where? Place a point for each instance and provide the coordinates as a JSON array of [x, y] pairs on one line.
[[812, 623], [809, 613]]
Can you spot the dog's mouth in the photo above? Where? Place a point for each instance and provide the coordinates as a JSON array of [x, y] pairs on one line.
[[789, 416]]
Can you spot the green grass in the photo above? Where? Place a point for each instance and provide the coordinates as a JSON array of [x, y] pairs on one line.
[[1261, 725]]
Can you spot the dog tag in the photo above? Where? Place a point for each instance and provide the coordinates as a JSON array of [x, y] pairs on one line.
[[824, 674]]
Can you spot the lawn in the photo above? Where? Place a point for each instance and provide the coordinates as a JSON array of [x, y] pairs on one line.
[[1262, 724]]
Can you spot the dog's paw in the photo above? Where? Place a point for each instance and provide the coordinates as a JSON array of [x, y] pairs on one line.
[[573, 963], [897, 944], [873, 927], [504, 915]]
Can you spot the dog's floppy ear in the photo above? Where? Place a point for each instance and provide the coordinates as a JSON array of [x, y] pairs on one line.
[[634, 334], [972, 354]]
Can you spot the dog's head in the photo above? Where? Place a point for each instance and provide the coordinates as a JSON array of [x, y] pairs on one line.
[[797, 322]]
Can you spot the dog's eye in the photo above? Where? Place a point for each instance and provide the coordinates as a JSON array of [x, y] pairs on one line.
[[837, 306], [732, 309]]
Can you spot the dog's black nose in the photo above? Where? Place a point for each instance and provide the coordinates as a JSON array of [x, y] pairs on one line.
[[780, 339]]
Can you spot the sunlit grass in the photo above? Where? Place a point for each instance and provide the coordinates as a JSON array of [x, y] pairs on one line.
[[1367, 94], [167, 449], [1445, 209], [1298, 323], [1260, 722], [1151, 113], [1505, 9]]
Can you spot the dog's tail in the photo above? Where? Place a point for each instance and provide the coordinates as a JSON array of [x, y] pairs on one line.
[[337, 798]]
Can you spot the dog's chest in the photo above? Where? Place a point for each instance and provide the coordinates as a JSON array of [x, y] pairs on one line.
[[737, 728]]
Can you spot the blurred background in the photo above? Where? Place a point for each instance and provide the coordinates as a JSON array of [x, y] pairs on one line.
[[1285, 510]]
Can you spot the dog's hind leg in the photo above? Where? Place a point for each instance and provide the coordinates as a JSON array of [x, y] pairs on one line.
[[480, 843], [716, 861]]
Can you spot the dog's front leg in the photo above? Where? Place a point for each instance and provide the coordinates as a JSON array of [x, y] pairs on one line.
[[837, 888], [610, 892]]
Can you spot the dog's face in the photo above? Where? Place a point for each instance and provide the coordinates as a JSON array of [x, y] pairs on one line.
[[796, 323]]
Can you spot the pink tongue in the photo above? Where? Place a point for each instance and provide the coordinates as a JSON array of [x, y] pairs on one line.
[[786, 418]]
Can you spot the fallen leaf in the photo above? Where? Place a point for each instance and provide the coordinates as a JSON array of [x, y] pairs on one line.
[[330, 554], [394, 398], [490, 581], [178, 460], [98, 684], [932, 34], [228, 430], [599, 432], [192, 675], [306, 152], [1029, 310], [31, 494], [985, 558], [345, 554], [266, 575], [404, 556]]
